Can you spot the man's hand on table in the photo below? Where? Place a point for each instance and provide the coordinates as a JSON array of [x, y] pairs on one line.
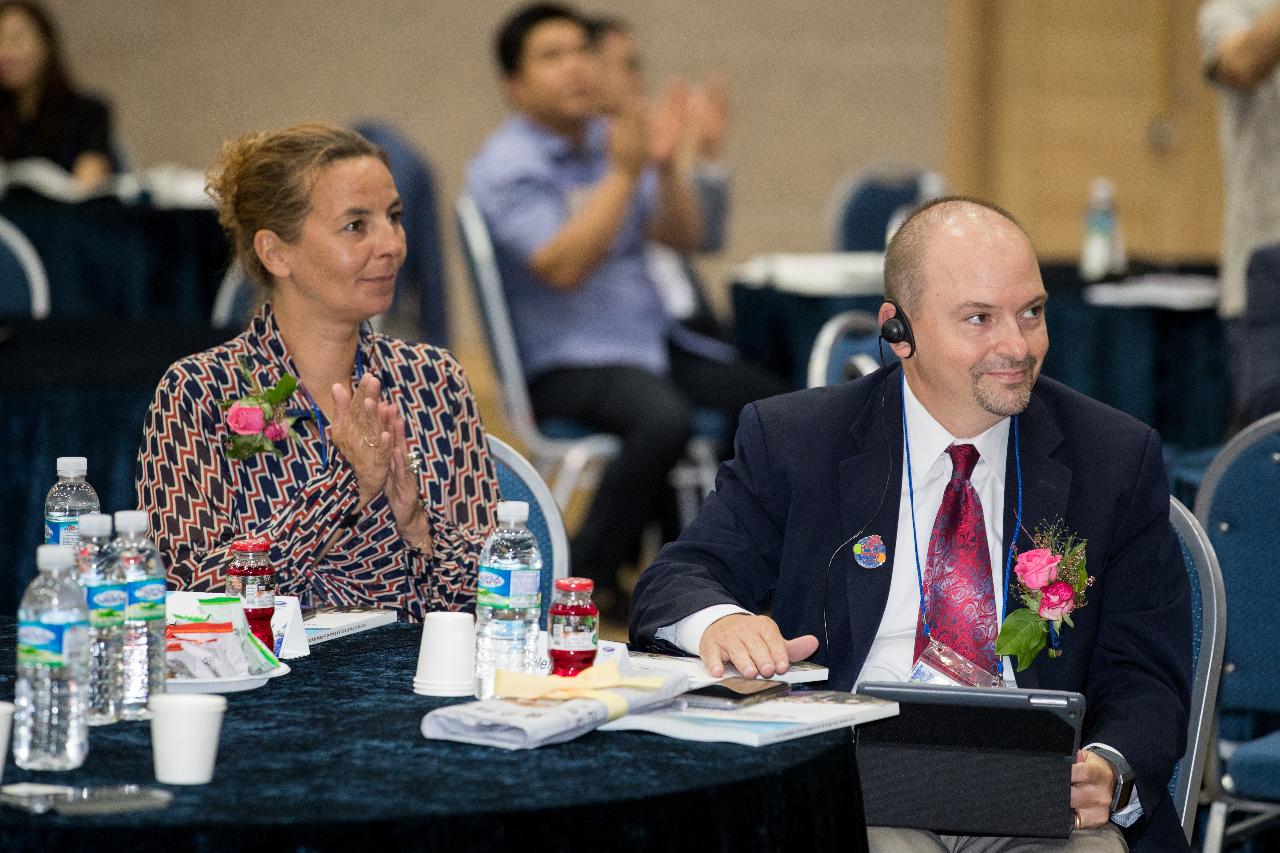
[[1092, 787], [755, 646]]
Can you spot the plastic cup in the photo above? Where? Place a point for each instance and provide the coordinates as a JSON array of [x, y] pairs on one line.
[[6, 720], [184, 736], [447, 655]]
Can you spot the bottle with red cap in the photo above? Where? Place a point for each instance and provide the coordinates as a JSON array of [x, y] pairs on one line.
[[251, 577], [575, 627]]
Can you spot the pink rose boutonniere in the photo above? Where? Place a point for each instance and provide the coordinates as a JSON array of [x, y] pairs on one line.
[[258, 420], [1051, 583]]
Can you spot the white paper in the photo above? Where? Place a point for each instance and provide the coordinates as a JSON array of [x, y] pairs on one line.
[[286, 627], [817, 273], [646, 663], [525, 723]]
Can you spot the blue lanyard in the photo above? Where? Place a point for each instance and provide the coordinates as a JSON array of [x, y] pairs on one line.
[[321, 423], [915, 533]]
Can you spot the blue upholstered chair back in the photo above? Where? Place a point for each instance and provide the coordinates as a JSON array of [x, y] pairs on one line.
[[847, 346], [423, 272], [1237, 506], [24, 286], [869, 203], [1260, 367], [519, 481], [1208, 635]]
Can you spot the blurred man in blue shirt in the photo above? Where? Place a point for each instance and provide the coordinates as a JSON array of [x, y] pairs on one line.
[[570, 200]]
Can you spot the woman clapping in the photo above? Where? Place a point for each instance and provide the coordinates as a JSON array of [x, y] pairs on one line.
[[360, 456]]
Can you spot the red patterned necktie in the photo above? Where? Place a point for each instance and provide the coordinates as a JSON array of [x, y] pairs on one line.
[[960, 601]]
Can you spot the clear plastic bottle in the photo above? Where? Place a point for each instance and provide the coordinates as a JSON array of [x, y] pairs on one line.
[[49, 727], [105, 596], [508, 598], [1102, 252], [144, 642], [69, 498]]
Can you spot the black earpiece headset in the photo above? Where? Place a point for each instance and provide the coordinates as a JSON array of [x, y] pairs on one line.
[[897, 329]]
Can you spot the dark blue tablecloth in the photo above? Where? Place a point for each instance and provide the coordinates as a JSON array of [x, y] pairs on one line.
[[330, 757], [1167, 368], [108, 258]]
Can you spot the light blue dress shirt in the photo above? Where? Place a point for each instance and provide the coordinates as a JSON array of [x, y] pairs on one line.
[[527, 182]]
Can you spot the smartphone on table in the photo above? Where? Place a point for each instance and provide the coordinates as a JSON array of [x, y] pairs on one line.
[[736, 692]]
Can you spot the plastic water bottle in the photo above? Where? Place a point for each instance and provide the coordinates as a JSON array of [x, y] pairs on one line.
[[69, 498], [144, 585], [1102, 251], [508, 598], [49, 727], [105, 596]]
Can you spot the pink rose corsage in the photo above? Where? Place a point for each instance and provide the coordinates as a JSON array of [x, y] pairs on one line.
[[259, 419], [1052, 581]]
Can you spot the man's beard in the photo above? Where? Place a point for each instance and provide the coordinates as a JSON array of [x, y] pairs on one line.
[[1011, 399]]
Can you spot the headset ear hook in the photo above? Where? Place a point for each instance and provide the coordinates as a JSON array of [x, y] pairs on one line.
[[897, 329]]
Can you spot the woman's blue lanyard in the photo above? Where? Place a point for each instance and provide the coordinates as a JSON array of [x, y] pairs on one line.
[[915, 533], [319, 416]]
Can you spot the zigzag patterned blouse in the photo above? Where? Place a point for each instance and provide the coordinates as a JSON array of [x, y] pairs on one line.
[[200, 500]]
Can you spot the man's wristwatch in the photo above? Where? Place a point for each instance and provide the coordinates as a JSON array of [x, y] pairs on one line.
[[1123, 789]]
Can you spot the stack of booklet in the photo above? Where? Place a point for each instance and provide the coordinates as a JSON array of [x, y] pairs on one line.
[[771, 721], [327, 623]]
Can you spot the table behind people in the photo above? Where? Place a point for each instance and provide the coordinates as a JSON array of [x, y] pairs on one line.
[[74, 386], [330, 757], [1165, 366], [123, 258]]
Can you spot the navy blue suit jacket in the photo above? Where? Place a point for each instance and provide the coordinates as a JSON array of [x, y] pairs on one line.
[[816, 467]]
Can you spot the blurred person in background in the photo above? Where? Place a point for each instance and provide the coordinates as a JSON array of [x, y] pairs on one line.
[[701, 150], [571, 200], [372, 476], [1240, 50], [42, 114]]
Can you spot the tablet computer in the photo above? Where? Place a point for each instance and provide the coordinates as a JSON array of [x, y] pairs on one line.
[[971, 760]]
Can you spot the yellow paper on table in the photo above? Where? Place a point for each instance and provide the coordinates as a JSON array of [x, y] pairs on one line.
[[592, 683]]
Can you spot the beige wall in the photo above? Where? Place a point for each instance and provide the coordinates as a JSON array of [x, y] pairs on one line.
[[821, 87]]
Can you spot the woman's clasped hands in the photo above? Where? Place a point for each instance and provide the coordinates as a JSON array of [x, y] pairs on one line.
[[370, 434]]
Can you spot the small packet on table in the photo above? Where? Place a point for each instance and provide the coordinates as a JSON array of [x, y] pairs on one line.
[[204, 650], [231, 609], [216, 643]]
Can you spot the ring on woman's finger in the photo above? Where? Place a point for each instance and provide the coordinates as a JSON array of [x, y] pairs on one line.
[[1077, 820], [367, 443]]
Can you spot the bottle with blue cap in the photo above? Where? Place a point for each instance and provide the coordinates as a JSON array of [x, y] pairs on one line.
[[50, 730]]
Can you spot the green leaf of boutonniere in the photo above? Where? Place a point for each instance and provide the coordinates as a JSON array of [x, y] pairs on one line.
[[1022, 635], [282, 391]]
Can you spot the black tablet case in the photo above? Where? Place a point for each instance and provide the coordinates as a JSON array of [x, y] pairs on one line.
[[961, 770]]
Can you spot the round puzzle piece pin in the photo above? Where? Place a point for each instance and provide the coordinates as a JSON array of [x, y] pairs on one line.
[[869, 552]]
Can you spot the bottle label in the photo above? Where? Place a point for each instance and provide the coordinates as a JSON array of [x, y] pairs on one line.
[[62, 531], [146, 599], [574, 633], [41, 643], [506, 588], [106, 604], [257, 591]]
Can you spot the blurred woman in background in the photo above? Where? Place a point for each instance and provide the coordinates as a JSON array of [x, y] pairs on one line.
[[41, 112]]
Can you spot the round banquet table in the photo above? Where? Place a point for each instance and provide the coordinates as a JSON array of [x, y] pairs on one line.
[[330, 757]]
